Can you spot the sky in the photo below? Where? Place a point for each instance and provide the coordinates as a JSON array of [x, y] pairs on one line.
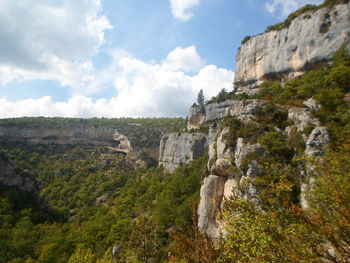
[[123, 58]]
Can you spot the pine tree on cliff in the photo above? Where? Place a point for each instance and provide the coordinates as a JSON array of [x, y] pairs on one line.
[[200, 99]]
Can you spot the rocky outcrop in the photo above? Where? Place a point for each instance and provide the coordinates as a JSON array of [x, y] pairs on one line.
[[317, 141], [196, 117], [243, 150], [122, 143], [10, 175], [287, 53], [302, 118], [227, 177], [244, 110], [70, 134], [233, 169], [181, 148], [216, 111], [211, 197]]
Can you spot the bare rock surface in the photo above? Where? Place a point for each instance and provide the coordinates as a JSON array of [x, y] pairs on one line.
[[211, 196], [181, 148], [196, 117], [310, 38], [317, 141]]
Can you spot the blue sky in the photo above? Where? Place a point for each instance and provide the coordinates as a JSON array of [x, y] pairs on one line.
[[115, 58]]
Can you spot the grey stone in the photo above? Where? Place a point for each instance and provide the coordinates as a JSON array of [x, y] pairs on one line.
[[317, 141], [196, 117], [244, 110], [67, 134], [312, 104], [277, 54], [302, 118], [220, 155], [181, 148], [217, 111], [211, 195], [244, 149]]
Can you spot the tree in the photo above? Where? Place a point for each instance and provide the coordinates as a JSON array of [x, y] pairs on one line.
[[200, 98]]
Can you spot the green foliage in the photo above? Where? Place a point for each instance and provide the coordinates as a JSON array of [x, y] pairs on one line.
[[222, 96], [73, 180], [292, 16], [307, 9], [275, 144], [245, 40], [82, 255], [200, 98], [248, 238], [329, 199]]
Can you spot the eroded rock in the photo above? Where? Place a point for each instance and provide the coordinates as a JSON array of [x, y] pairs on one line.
[[211, 195], [196, 117], [243, 150], [317, 141], [276, 54], [181, 148]]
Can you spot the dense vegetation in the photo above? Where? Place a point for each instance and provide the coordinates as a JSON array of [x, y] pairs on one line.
[[98, 201], [95, 205]]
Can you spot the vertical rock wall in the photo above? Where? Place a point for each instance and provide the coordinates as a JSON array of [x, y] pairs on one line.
[[311, 37]]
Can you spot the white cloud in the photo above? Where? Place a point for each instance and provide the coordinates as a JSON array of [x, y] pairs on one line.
[[144, 89], [180, 8], [186, 59], [50, 39], [283, 8]]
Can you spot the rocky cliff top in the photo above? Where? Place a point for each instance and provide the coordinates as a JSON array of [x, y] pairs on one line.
[[312, 37], [121, 133]]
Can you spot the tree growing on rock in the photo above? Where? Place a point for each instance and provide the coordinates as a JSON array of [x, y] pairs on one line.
[[200, 98]]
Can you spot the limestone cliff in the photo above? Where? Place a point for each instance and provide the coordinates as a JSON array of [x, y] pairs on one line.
[[231, 168], [311, 37], [180, 148], [68, 134], [241, 130]]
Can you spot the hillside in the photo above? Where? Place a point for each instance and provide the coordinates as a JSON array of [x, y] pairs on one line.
[[261, 174]]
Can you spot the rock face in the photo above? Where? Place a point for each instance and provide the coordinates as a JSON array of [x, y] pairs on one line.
[[317, 141], [11, 176], [211, 195], [216, 111], [196, 117], [243, 110], [181, 148], [287, 53], [277, 55], [233, 169], [226, 178], [122, 144], [89, 135]]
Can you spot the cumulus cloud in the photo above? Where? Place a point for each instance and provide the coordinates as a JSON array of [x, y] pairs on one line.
[[52, 39], [143, 89], [283, 8], [186, 59], [180, 8]]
